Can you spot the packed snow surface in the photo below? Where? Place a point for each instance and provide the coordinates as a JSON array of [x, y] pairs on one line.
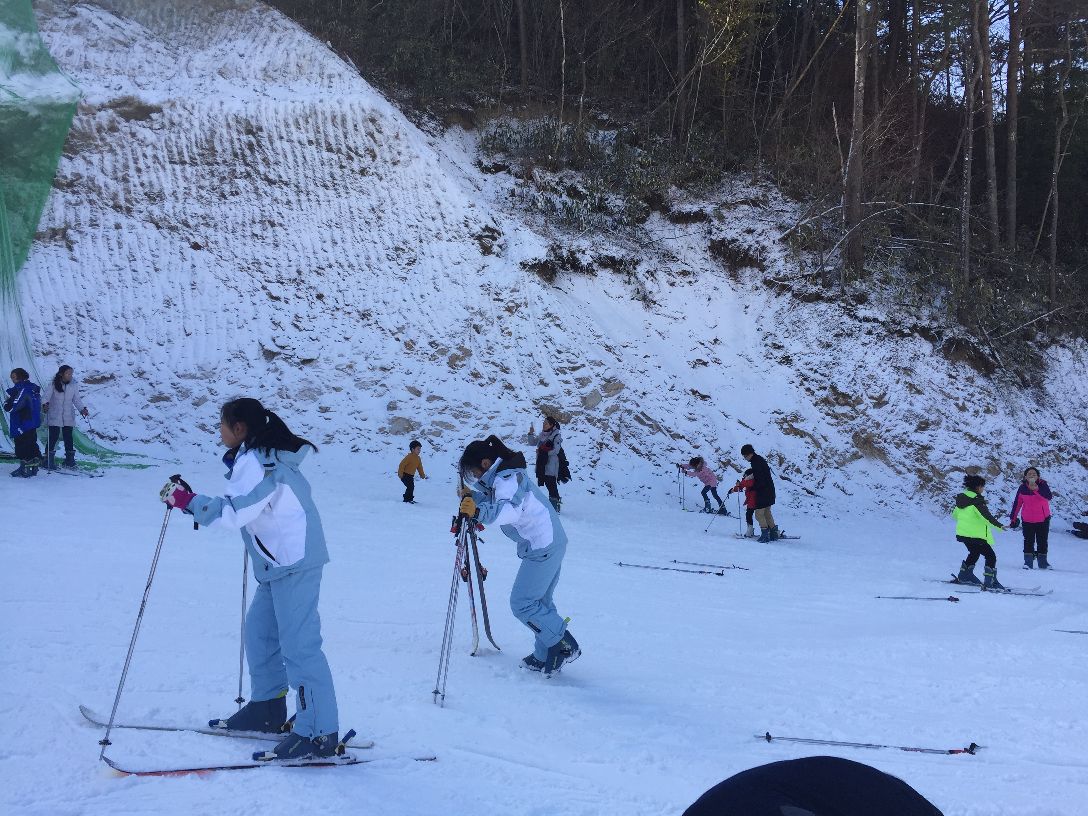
[[238, 212]]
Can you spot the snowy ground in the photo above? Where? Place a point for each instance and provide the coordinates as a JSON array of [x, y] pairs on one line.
[[679, 671]]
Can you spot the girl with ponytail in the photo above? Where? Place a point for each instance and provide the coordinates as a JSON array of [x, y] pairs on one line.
[[268, 499], [500, 492]]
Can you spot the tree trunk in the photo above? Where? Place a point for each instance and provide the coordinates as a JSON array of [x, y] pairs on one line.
[[970, 67], [982, 50], [679, 116], [855, 163], [1059, 130], [523, 49], [1012, 104]]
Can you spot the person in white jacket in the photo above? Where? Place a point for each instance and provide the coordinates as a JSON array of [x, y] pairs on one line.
[[60, 401]]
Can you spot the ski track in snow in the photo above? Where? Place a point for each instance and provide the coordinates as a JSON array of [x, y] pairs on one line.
[[238, 212]]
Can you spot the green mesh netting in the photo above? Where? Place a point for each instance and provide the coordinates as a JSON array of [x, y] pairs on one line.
[[37, 103]]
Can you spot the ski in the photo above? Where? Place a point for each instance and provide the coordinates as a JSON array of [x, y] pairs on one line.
[[1073, 631], [781, 537], [481, 574], [978, 587], [716, 566], [331, 762], [970, 749], [99, 721], [1021, 592], [86, 474], [466, 576], [670, 569], [951, 598]]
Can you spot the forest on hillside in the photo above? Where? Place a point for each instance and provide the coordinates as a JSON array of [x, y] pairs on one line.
[[941, 146]]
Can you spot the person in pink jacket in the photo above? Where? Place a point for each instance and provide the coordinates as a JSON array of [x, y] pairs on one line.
[[697, 468], [1031, 504]]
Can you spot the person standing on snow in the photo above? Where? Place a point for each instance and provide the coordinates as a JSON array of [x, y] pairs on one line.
[[697, 467], [406, 471], [499, 491], [764, 487], [748, 485], [269, 501], [61, 401], [548, 445], [974, 529], [1032, 505], [24, 402]]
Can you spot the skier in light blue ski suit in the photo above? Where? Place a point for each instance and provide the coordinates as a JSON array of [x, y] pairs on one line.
[[268, 499], [501, 492]]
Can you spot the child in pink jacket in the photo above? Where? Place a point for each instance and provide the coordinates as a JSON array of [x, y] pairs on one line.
[[697, 468], [1032, 505]]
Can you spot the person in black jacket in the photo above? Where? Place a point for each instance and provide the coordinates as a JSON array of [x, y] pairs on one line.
[[764, 487]]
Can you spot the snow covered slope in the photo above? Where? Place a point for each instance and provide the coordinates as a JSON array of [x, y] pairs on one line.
[[239, 212]]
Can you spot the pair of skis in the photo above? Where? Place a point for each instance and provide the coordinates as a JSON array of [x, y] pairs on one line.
[[466, 565], [341, 758]]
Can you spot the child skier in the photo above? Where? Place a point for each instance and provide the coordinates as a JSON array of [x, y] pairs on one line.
[[974, 528], [499, 491], [269, 501], [1032, 504], [24, 402], [60, 400], [697, 468], [747, 483], [407, 469]]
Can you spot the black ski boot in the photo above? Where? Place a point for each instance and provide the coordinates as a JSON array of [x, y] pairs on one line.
[[1041, 560], [967, 575], [297, 747], [557, 656], [723, 510], [571, 647], [266, 716], [69, 461], [775, 533], [706, 508], [990, 581], [19, 472], [556, 502], [1029, 561], [531, 663]]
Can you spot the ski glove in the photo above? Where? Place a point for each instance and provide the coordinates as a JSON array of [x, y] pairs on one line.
[[175, 495], [1015, 523], [467, 507]]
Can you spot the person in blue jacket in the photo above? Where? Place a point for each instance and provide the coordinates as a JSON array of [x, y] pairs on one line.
[[268, 499], [24, 401], [499, 491]]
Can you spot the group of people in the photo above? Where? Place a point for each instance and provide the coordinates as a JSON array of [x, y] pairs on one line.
[[26, 402], [269, 500], [975, 525], [756, 483]]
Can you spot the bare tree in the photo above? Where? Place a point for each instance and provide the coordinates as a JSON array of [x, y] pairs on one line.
[[1012, 105], [855, 162], [981, 34]]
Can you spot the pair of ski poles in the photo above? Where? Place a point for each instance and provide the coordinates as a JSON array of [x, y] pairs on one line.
[[105, 741]]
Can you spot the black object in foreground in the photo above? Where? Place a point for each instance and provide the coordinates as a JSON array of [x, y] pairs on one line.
[[951, 598], [823, 785]]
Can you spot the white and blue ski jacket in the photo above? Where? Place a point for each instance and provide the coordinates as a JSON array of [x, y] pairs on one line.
[[509, 498], [268, 500]]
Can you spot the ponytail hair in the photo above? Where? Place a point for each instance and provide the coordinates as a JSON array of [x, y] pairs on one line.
[[20, 374], [696, 462], [58, 378], [264, 430], [972, 481], [491, 448]]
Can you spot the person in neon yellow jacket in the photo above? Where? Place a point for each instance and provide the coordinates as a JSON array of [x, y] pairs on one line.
[[974, 528]]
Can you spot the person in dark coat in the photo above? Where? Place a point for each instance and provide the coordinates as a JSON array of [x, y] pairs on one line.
[[812, 786], [764, 487], [24, 402]]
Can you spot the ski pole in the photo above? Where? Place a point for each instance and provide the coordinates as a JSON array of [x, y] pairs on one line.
[[105, 741], [716, 566], [242, 637], [712, 518], [970, 749], [669, 569], [740, 524]]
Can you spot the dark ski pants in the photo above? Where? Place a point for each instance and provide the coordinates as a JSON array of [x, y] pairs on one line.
[[1036, 534], [553, 486], [978, 547], [409, 482], [714, 492], [26, 446], [748, 514], [56, 432]]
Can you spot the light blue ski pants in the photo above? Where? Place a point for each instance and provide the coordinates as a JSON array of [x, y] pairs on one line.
[[283, 646], [531, 598]]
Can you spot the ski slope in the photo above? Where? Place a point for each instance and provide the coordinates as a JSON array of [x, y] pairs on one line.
[[237, 212], [679, 671]]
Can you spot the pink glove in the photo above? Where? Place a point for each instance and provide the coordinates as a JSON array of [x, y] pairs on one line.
[[176, 496]]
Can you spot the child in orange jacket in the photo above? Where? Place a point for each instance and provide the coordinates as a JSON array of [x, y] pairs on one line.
[[407, 470]]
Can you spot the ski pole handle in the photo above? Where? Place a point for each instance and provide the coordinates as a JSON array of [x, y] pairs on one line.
[[176, 478]]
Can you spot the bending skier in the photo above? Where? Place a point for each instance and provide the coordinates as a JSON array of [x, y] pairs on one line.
[[974, 528], [499, 491], [269, 501], [697, 467]]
